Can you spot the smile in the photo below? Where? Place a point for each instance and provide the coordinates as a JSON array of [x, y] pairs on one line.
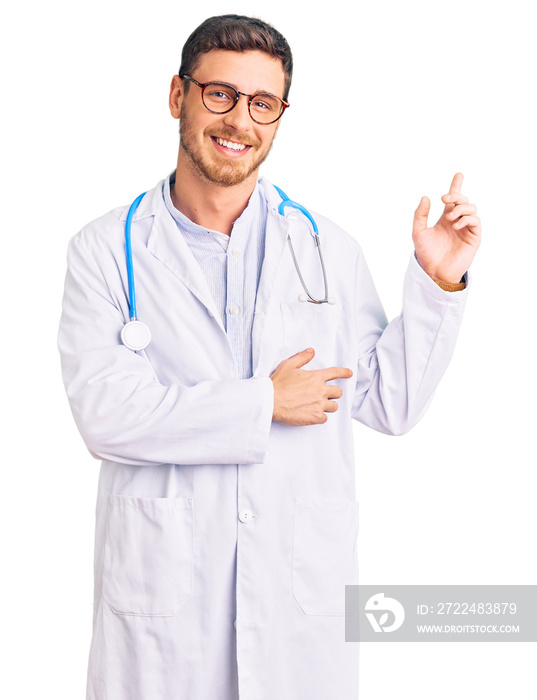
[[231, 145]]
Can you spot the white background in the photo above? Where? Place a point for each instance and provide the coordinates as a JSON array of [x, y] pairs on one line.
[[412, 92]]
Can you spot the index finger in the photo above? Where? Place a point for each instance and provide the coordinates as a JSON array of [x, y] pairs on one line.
[[329, 373], [456, 183]]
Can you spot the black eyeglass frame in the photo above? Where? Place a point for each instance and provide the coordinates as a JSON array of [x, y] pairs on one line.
[[284, 104]]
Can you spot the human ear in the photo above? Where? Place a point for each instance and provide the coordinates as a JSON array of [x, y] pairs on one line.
[[177, 93]]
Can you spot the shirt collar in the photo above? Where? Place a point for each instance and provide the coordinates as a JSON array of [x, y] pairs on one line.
[[248, 215]]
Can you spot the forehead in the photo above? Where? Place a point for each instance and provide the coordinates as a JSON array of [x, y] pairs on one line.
[[248, 71]]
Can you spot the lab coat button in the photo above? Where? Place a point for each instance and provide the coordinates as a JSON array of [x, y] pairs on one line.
[[245, 516], [235, 624]]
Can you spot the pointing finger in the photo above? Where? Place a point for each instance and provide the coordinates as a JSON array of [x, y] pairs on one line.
[[456, 183], [330, 373]]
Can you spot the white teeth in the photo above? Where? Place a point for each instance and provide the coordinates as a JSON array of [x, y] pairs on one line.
[[231, 144]]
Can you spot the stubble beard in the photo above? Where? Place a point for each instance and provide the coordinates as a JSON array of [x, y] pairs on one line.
[[219, 172]]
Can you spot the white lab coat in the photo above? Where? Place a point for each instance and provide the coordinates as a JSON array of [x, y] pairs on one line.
[[223, 540]]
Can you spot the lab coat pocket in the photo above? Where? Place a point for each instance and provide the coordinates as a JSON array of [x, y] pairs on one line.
[[324, 553], [148, 556], [311, 325]]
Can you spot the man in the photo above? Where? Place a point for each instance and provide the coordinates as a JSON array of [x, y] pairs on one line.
[[226, 513]]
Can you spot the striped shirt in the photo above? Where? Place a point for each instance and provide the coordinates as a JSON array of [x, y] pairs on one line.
[[232, 267]]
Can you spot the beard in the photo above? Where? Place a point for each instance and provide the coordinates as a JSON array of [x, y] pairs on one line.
[[218, 170]]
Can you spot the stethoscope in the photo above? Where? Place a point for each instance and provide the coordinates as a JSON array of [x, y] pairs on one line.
[[136, 336]]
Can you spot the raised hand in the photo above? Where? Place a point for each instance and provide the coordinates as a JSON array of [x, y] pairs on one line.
[[447, 250]]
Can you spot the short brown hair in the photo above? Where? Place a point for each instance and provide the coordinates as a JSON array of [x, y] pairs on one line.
[[236, 33]]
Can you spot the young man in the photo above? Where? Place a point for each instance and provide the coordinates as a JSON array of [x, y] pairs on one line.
[[226, 512]]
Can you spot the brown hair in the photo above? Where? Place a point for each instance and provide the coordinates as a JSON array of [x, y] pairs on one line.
[[236, 33]]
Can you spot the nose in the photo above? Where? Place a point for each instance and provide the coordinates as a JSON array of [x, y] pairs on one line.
[[239, 117]]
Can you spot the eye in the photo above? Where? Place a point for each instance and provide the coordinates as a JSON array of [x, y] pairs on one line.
[[260, 103], [218, 95]]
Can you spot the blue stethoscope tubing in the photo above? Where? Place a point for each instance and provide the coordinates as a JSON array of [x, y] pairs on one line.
[[128, 252], [136, 336]]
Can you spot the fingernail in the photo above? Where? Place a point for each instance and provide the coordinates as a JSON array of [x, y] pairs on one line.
[[309, 349]]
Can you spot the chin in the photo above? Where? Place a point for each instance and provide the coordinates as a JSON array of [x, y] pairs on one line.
[[226, 174], [228, 177]]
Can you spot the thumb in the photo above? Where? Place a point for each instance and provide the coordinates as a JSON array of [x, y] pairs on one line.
[[421, 214], [301, 358]]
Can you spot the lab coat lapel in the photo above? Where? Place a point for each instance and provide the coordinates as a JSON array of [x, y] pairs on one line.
[[267, 298], [168, 245]]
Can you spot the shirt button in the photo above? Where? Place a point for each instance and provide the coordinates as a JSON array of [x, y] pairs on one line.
[[235, 624], [237, 253], [234, 310], [245, 516]]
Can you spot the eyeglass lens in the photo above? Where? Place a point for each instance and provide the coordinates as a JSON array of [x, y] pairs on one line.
[[220, 98]]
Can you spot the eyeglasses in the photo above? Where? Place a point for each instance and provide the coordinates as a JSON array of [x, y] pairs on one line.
[[220, 98]]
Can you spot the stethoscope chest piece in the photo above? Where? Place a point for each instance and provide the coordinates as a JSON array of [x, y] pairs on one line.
[[135, 335]]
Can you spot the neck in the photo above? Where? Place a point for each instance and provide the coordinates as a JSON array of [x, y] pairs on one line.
[[205, 203]]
